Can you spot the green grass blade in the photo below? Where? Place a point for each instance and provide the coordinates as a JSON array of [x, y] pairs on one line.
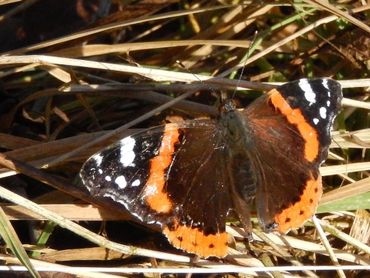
[[12, 241], [361, 201]]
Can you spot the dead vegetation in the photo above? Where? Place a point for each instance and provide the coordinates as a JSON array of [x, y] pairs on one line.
[[78, 75]]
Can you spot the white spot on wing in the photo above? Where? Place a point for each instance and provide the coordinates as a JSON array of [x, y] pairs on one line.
[[322, 112], [127, 154], [328, 103], [100, 171], [98, 159], [127, 159], [108, 178], [308, 92], [121, 182], [315, 121], [325, 84], [135, 182]]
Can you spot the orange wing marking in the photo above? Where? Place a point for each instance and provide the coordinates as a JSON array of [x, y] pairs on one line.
[[294, 116], [295, 215], [153, 192], [192, 240]]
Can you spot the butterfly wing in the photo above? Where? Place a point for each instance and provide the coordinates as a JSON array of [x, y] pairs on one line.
[[168, 176], [291, 135]]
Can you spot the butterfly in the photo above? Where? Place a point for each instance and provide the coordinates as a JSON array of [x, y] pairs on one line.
[[187, 178]]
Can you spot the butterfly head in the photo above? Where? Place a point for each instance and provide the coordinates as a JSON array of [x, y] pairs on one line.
[[227, 106]]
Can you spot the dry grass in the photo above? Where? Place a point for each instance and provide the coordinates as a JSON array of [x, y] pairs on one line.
[[68, 96]]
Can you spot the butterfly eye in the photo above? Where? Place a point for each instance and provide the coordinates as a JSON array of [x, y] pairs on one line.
[[229, 106]]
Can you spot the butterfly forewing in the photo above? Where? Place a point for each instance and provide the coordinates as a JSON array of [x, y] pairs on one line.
[[119, 172]]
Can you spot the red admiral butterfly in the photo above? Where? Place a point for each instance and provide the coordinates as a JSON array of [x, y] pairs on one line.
[[187, 177]]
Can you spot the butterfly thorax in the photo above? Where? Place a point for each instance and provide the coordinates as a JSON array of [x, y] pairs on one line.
[[237, 131]]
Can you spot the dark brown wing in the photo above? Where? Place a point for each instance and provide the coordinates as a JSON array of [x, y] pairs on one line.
[[198, 185], [171, 176], [290, 130]]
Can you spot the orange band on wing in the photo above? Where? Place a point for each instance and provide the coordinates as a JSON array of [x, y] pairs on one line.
[[153, 192], [295, 215], [294, 116], [193, 240]]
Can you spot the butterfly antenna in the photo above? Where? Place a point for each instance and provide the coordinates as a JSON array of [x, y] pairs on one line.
[[185, 68], [223, 94], [244, 60]]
